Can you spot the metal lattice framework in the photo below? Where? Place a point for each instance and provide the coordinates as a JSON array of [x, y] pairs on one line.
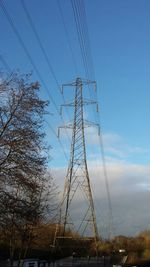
[[77, 183]]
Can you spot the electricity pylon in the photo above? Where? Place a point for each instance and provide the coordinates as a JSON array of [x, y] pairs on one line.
[[77, 183]]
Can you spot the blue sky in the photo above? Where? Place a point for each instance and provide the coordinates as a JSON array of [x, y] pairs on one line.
[[120, 47]]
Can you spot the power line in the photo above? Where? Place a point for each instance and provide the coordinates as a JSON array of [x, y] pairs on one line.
[[39, 41], [107, 187], [83, 21], [80, 36], [81, 25], [32, 25], [83, 37], [10, 20], [67, 36]]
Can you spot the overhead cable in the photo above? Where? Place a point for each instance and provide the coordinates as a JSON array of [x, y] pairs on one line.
[[10, 20]]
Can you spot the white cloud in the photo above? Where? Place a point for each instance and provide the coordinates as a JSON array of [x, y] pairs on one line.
[[129, 189], [129, 184], [111, 139], [115, 145]]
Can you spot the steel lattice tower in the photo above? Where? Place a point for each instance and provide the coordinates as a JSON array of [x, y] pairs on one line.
[[77, 178]]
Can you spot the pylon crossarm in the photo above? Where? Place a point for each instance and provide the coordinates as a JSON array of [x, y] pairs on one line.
[[65, 126], [89, 124], [87, 82], [69, 104], [89, 102]]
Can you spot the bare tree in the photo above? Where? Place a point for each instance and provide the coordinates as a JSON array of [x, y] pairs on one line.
[[22, 160]]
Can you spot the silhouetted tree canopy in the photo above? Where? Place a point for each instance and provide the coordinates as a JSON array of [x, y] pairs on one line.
[[25, 185]]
